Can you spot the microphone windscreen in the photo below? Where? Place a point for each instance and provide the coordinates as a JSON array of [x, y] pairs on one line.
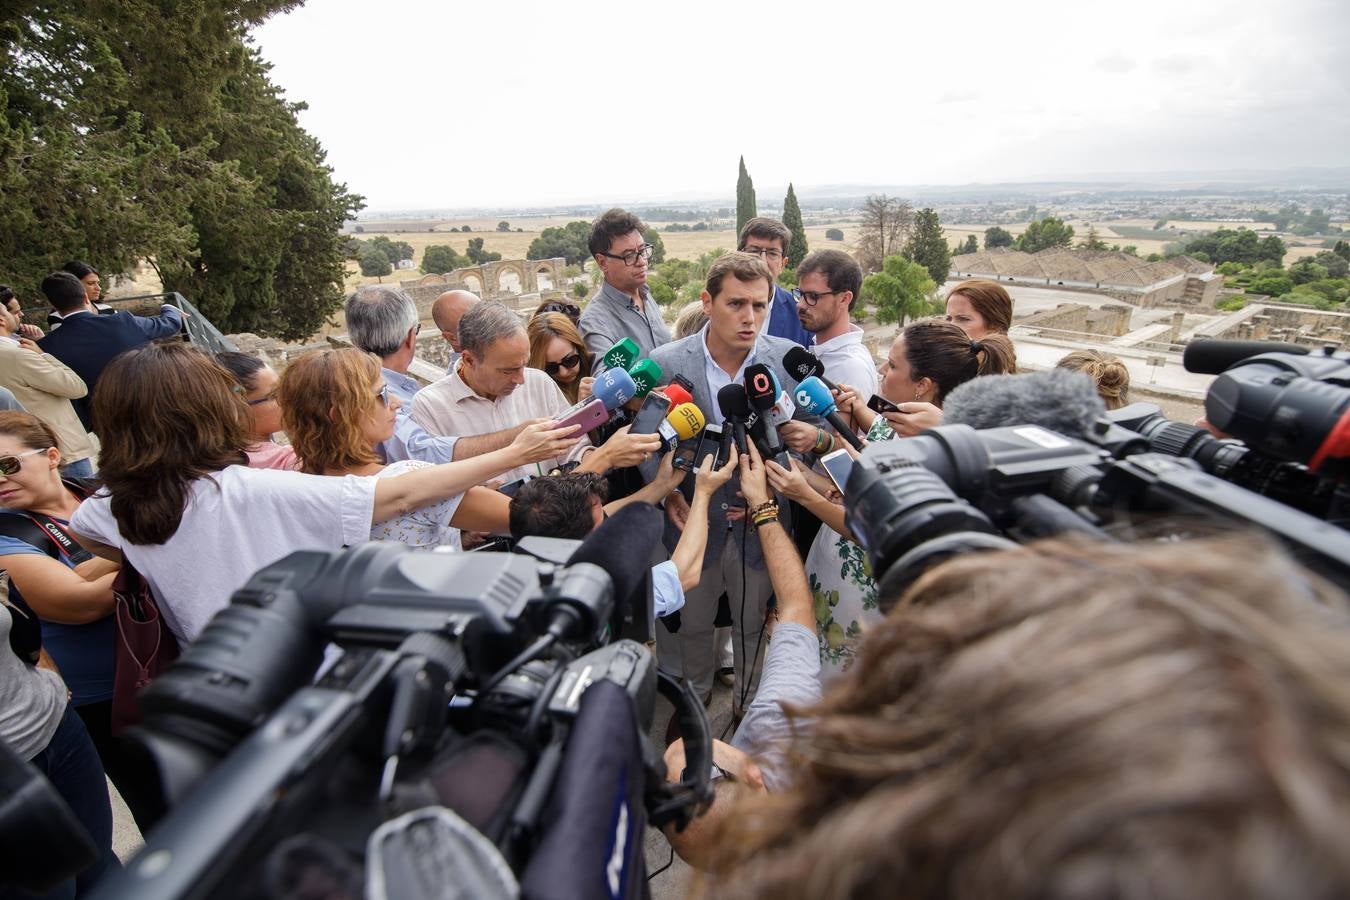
[[813, 396], [801, 363], [759, 386], [1213, 357], [733, 403], [622, 546], [1059, 400], [781, 411], [622, 355], [677, 394], [614, 387], [646, 374], [687, 419]]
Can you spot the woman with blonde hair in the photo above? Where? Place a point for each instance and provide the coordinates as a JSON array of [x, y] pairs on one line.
[[337, 409], [557, 349], [195, 521], [1108, 371]]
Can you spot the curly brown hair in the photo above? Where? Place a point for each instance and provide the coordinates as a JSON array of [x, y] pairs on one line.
[[325, 397], [1074, 720], [166, 415], [1108, 371]]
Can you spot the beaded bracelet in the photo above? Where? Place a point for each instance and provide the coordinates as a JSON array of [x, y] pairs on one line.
[[764, 514], [824, 441]]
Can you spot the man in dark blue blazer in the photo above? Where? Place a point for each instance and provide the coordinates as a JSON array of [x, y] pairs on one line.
[[87, 341]]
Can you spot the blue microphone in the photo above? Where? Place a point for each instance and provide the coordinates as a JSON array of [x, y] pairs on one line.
[[813, 396], [614, 387]]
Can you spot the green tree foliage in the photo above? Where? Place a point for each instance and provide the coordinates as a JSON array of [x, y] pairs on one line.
[[129, 132], [1342, 249], [927, 246], [972, 244], [653, 237], [1093, 241], [503, 226], [834, 234], [374, 262], [1274, 283], [885, 227], [1337, 266], [792, 218], [465, 229], [579, 290], [745, 198], [394, 250], [1305, 270], [997, 237], [1241, 245], [1043, 234], [441, 258], [569, 242], [1130, 250], [900, 291], [477, 255]]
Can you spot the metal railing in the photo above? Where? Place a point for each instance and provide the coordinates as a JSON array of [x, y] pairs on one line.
[[199, 331]]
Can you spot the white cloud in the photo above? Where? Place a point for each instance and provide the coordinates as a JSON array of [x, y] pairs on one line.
[[425, 104]]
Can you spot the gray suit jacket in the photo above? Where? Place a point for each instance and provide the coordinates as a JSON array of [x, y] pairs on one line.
[[685, 357]]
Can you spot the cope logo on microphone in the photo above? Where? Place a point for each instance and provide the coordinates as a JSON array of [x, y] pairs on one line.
[[804, 399]]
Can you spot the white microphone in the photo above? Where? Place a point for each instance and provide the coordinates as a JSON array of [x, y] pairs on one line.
[[781, 411]]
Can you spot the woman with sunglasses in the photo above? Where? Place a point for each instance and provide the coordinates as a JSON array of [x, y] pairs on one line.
[[55, 582], [337, 410], [258, 388], [556, 347], [196, 522]]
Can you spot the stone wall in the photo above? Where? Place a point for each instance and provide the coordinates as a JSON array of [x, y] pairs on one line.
[[1293, 324], [1110, 320]]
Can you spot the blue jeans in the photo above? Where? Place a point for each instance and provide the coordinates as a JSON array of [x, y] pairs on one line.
[[80, 468], [71, 764]]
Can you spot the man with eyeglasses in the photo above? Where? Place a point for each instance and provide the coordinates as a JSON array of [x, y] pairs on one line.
[[624, 306], [768, 239]]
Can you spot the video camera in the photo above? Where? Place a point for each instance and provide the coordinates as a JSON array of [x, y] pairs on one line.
[[913, 503], [477, 727]]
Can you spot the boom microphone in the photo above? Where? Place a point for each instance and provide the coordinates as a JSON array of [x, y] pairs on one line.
[[1058, 400], [803, 364], [814, 397], [1213, 357]]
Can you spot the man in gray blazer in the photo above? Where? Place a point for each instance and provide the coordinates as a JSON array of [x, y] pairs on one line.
[[736, 299]]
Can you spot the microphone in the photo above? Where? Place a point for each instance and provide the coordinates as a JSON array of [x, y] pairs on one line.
[[803, 364], [614, 547], [761, 389], [814, 397], [1058, 400], [622, 355], [614, 387], [684, 422], [735, 407], [677, 394], [1213, 357], [646, 374], [781, 411]]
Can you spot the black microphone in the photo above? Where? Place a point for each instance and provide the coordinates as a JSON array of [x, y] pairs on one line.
[[1213, 357], [761, 389], [621, 545], [735, 407], [802, 364]]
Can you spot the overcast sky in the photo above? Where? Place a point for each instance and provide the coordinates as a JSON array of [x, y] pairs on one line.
[[424, 103]]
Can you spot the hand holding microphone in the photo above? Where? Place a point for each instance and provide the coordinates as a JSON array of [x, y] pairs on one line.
[[813, 396], [914, 417]]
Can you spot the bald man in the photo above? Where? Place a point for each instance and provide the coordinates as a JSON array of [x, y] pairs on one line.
[[448, 309]]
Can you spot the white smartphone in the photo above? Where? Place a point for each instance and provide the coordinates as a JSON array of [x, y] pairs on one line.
[[838, 465]]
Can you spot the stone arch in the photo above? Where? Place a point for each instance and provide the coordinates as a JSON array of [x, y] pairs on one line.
[[507, 276], [472, 281], [543, 278]]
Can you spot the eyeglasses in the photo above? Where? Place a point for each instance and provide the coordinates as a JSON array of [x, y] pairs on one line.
[[569, 361], [382, 395], [270, 398], [567, 309], [766, 252], [811, 298], [10, 465], [630, 257]]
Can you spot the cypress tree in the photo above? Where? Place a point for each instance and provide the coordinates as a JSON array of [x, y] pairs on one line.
[[792, 218], [745, 198], [928, 247]]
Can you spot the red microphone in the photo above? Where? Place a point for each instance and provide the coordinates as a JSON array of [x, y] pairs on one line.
[[676, 394]]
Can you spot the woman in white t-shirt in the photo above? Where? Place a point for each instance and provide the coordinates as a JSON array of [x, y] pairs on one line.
[[180, 503], [337, 409]]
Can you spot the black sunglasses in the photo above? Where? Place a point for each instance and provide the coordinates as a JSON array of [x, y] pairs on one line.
[[569, 361]]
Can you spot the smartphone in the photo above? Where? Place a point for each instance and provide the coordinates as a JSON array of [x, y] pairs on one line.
[[589, 415], [880, 404], [710, 444], [838, 465], [686, 452], [510, 488], [651, 414], [684, 383]]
